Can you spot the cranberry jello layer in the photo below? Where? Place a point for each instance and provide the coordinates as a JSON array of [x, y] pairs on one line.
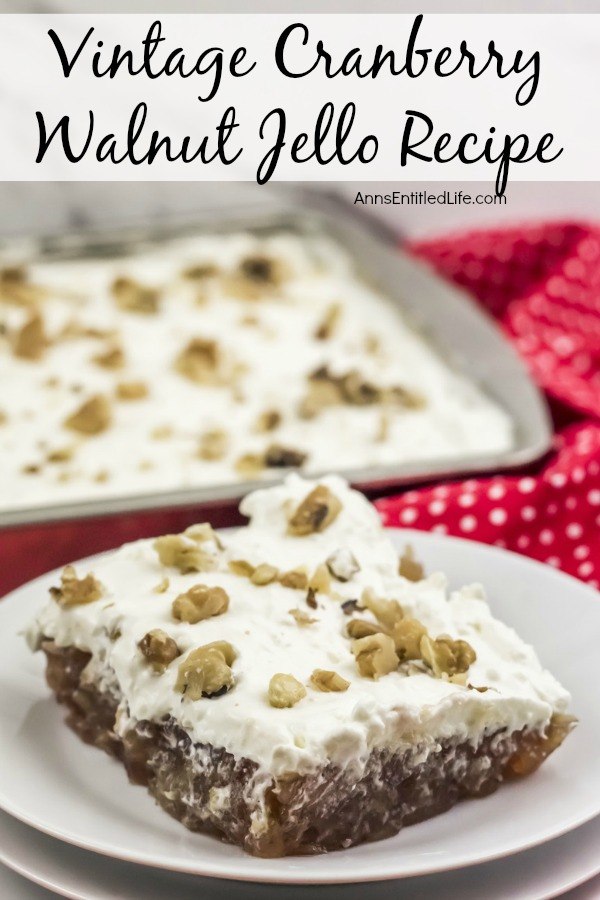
[[295, 686]]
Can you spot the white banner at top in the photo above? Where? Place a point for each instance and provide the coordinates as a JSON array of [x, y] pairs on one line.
[[299, 97]]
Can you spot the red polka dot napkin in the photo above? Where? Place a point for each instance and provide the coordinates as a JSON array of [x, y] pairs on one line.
[[543, 285]]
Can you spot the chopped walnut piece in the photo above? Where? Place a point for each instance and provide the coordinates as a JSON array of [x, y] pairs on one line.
[[357, 391], [264, 574], [76, 330], [201, 361], [311, 599], [350, 606], [15, 287], [407, 635], [75, 591], [320, 395], [359, 628], [279, 457], [206, 671], [200, 602], [255, 278], [445, 656], [184, 553], [301, 618], [409, 567], [268, 420], [161, 433], [316, 512], [262, 269], [30, 469], [131, 390], [162, 586], [60, 455], [326, 389], [113, 357], [296, 579], [203, 531], [200, 271], [320, 580], [241, 567], [342, 564], [213, 444], [131, 296], [93, 417], [327, 681], [285, 691], [250, 465], [30, 340], [388, 612], [159, 649], [403, 397], [15, 274], [375, 655], [329, 322], [249, 320]]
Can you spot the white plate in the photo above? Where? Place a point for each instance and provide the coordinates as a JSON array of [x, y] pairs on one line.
[[53, 782], [536, 874]]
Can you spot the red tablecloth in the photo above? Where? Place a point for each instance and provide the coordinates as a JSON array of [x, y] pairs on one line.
[[542, 283]]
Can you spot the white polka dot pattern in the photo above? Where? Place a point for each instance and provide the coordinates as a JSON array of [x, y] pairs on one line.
[[543, 284], [553, 517]]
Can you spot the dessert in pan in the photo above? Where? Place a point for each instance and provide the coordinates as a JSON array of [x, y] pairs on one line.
[[293, 686], [216, 359]]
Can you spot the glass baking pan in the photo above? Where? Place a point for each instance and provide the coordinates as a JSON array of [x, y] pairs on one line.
[[446, 316]]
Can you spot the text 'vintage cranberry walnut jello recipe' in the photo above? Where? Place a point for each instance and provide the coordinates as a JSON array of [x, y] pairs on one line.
[[214, 359], [294, 686]]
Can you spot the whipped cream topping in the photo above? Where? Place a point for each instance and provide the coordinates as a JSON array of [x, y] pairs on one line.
[[153, 442], [397, 710]]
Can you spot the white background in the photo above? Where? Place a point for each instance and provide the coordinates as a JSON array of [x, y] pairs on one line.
[[47, 207], [563, 104]]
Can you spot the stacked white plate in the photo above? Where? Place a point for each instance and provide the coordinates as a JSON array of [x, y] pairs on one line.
[[73, 824]]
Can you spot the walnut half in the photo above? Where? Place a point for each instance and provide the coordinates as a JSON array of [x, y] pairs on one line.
[[184, 551], [200, 602], [206, 671], [75, 591], [445, 656]]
